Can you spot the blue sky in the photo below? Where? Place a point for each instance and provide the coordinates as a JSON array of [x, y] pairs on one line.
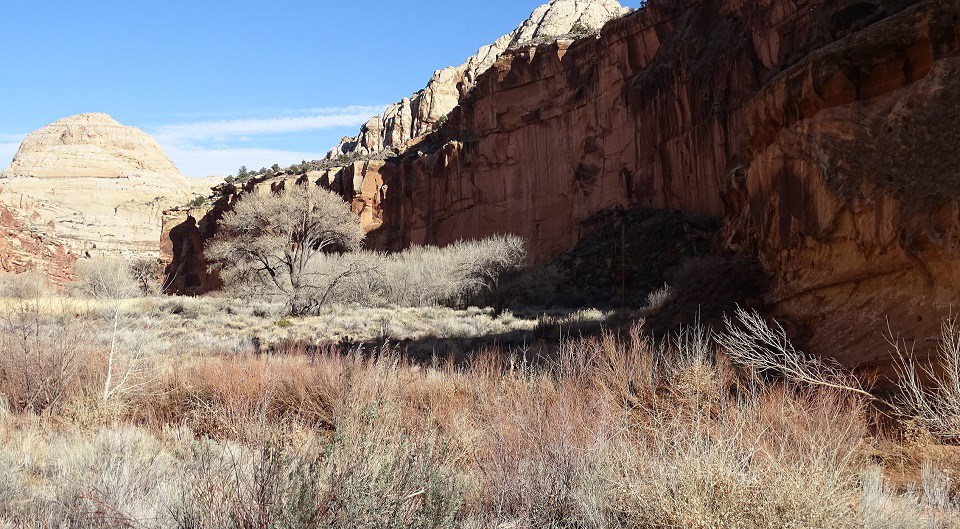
[[223, 84]]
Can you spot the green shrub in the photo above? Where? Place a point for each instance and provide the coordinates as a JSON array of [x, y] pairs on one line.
[[579, 28]]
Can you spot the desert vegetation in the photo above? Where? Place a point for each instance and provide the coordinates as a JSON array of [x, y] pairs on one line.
[[733, 428], [302, 247], [245, 175], [270, 244], [331, 386]]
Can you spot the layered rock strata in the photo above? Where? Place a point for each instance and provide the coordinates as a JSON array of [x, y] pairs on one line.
[[821, 134], [103, 185], [419, 114], [26, 246]]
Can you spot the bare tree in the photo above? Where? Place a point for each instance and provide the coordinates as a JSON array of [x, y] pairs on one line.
[[751, 342], [146, 274], [492, 260], [41, 341], [111, 284], [930, 391], [269, 242]]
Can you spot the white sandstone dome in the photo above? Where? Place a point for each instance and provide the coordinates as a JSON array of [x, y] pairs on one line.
[[93, 146], [100, 185]]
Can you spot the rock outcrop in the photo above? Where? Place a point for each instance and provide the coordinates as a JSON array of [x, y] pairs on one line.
[[823, 135], [419, 114], [29, 247], [848, 185], [92, 146], [820, 134], [102, 185]]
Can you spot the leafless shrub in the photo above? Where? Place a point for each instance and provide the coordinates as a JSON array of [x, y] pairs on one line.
[[369, 476], [716, 473], [109, 282], [421, 276], [118, 479], [453, 275], [269, 242], [617, 431], [145, 273], [43, 353], [339, 278], [42, 344], [492, 259], [659, 297], [764, 348], [106, 279], [925, 505], [28, 285], [930, 393]]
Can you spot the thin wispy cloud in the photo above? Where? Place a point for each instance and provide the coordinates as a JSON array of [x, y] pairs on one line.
[[219, 147], [12, 138], [7, 151], [9, 144], [225, 130]]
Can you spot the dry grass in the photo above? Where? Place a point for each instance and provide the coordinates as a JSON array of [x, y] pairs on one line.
[[931, 390], [614, 432], [207, 431], [225, 325]]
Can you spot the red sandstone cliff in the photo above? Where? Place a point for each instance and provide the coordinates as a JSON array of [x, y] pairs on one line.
[[26, 246], [823, 134], [850, 180]]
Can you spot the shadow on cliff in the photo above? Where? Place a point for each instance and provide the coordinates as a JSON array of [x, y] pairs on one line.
[[669, 268], [187, 272], [661, 270]]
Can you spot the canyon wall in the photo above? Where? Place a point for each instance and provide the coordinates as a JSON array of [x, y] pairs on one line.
[[822, 133], [422, 112], [849, 180], [28, 245]]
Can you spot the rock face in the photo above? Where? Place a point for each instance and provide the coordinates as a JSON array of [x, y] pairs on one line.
[[822, 135], [103, 185], [849, 187], [28, 247], [419, 114], [92, 146]]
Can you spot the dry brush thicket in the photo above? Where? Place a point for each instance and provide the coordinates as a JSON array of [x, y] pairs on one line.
[[610, 431], [268, 243], [301, 246], [456, 275]]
